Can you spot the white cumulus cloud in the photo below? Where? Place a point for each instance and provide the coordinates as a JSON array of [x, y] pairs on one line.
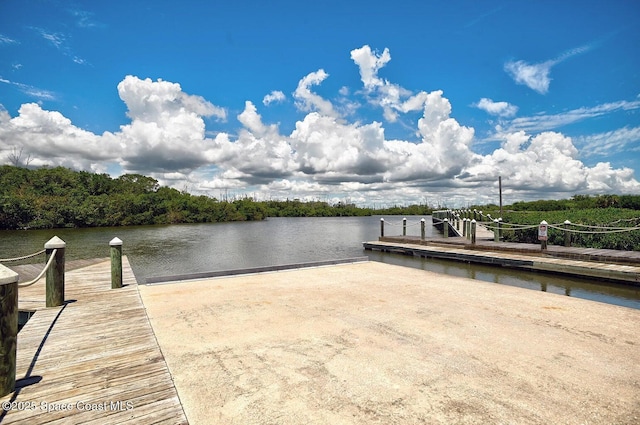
[[536, 76], [325, 156], [275, 96], [392, 98], [307, 101], [501, 109]]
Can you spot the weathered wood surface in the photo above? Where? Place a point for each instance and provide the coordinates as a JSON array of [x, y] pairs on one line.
[[96, 356], [33, 297], [628, 273]]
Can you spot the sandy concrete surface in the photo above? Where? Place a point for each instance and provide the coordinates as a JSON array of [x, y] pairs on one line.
[[373, 343]]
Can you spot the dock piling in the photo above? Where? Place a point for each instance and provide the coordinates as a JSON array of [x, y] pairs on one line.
[[422, 230], [55, 273], [567, 234], [473, 232], [543, 229], [404, 226], [8, 329], [116, 263]]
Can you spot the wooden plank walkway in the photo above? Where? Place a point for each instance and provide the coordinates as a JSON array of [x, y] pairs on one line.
[[94, 360], [626, 273]]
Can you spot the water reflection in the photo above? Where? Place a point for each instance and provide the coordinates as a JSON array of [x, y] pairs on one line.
[[611, 293]]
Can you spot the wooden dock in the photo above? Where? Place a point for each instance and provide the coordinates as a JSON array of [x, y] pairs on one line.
[[617, 266], [93, 360]]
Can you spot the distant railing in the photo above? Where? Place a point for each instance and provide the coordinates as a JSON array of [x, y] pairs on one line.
[[404, 226], [498, 226]]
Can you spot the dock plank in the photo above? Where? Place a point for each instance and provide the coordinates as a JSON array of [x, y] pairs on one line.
[[97, 350]]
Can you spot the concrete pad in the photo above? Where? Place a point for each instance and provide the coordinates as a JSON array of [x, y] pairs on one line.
[[375, 343]]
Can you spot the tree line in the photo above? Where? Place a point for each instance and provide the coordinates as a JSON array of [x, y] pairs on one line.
[[60, 197]]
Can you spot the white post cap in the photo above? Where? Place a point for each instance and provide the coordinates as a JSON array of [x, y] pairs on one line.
[[55, 243], [115, 242], [7, 275]]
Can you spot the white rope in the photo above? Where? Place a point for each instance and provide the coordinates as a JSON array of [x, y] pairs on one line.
[[390, 223], [592, 232], [519, 226], [24, 285], [7, 260], [603, 227]]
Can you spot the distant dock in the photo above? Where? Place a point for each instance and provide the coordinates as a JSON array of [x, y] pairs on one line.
[[612, 265]]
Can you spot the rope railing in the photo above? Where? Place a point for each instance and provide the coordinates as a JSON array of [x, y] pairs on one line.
[[391, 223], [511, 226], [46, 267], [595, 232], [605, 227], [564, 227], [469, 220], [404, 225], [8, 260]]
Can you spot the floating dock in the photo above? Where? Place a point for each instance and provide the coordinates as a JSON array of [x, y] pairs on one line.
[[616, 266]]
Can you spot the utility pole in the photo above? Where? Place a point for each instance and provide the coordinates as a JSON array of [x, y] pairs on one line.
[[500, 189]]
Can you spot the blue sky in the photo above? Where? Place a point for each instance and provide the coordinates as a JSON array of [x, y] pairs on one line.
[[374, 104]]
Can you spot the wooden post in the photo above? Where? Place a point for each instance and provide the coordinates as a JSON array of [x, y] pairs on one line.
[[404, 227], [542, 234], [469, 228], [116, 263], [567, 234], [445, 227], [499, 228], [382, 227], [55, 273], [464, 227], [8, 329], [422, 232], [496, 231], [473, 232]]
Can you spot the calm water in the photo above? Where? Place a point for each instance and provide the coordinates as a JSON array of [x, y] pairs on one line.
[[193, 248]]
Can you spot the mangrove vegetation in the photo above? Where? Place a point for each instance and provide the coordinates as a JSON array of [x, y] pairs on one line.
[[59, 197]]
